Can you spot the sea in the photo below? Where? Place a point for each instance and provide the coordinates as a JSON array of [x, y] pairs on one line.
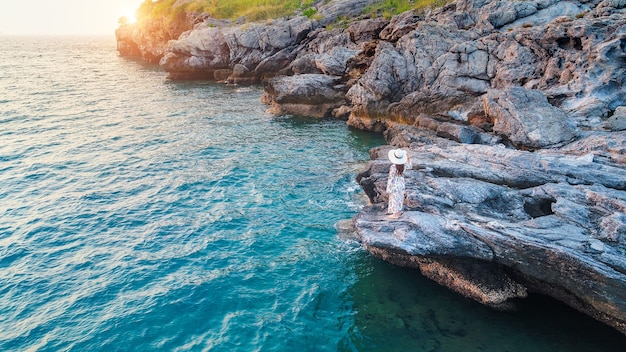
[[143, 214]]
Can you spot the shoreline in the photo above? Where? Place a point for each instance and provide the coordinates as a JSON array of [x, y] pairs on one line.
[[485, 84]]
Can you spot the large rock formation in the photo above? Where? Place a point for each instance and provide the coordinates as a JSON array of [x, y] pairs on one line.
[[493, 223], [149, 39], [200, 47], [571, 52], [440, 63], [496, 220], [513, 112]]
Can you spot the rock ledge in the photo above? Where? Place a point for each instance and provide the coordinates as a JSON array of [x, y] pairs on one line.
[[493, 223]]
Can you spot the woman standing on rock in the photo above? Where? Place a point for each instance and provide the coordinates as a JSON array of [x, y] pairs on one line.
[[395, 182]]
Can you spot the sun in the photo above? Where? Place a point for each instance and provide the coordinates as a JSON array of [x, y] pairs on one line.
[[128, 17]]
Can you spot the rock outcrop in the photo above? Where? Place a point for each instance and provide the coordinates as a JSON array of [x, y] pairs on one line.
[[200, 47], [437, 63], [565, 50], [512, 111], [314, 95], [493, 223], [149, 41]]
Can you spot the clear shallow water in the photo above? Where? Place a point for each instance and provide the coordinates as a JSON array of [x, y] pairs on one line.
[[142, 214]]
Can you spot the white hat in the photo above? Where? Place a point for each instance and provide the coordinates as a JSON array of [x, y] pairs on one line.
[[397, 156]]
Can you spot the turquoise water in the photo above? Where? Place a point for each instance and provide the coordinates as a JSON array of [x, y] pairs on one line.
[[139, 214]]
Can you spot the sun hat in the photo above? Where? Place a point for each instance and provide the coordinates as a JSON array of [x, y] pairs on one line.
[[397, 156]]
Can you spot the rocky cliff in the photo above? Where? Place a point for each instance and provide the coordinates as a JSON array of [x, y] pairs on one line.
[[513, 113]]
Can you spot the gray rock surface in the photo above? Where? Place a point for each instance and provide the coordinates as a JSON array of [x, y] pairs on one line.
[[572, 52], [552, 221], [198, 53], [314, 95], [526, 118], [201, 51], [617, 122]]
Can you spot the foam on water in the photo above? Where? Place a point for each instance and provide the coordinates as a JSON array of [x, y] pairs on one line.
[[143, 214]]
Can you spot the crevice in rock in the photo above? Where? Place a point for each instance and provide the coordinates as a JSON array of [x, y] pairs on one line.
[[570, 43], [539, 207], [557, 100]]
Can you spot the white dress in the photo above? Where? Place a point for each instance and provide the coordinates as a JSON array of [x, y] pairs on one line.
[[395, 188]]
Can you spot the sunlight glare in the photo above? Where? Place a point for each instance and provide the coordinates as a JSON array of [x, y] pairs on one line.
[[130, 16]]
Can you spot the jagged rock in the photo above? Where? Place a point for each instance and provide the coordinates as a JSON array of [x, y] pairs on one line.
[[196, 54], [275, 63], [333, 63], [153, 37], [607, 7], [310, 95], [545, 15], [366, 30], [576, 61], [501, 13], [125, 44], [259, 47], [400, 25], [332, 10], [305, 64], [201, 51], [376, 89], [526, 118], [617, 122], [549, 222], [251, 44]]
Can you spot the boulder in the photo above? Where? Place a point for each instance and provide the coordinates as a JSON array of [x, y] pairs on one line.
[[330, 11], [310, 95], [125, 44], [201, 51], [366, 30], [617, 122], [526, 118], [400, 25]]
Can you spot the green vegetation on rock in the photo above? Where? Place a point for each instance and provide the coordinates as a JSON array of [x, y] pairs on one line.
[[257, 10], [251, 10], [390, 8]]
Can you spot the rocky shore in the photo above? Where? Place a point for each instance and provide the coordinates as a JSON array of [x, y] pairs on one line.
[[512, 111]]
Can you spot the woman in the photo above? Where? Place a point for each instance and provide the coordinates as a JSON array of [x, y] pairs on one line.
[[395, 183]]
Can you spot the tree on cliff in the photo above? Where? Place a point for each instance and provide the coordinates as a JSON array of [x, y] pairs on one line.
[[123, 21]]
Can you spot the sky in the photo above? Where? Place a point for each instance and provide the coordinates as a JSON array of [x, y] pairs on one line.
[[63, 17]]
